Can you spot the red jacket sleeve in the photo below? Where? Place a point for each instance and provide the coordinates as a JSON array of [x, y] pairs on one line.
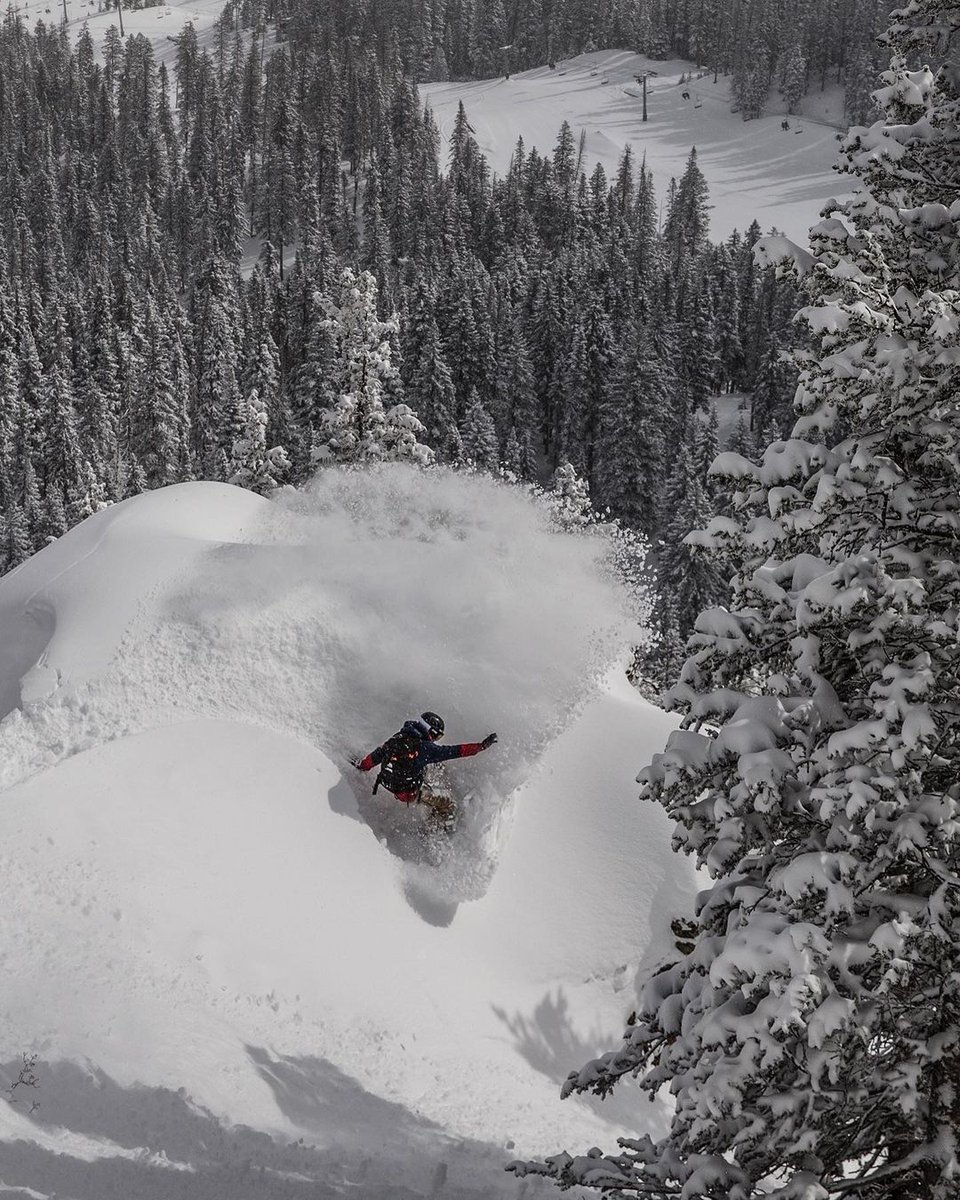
[[435, 753], [374, 757]]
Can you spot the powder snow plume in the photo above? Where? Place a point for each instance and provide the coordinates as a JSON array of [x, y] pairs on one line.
[[354, 603], [373, 595], [435, 589]]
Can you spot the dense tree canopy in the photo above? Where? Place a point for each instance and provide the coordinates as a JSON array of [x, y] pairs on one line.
[[170, 249]]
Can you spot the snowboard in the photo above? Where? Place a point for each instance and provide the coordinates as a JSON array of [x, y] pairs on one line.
[[445, 821]]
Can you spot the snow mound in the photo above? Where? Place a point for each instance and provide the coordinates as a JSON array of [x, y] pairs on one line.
[[64, 611], [230, 957]]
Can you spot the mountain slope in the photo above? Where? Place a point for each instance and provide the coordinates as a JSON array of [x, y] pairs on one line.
[[229, 956]]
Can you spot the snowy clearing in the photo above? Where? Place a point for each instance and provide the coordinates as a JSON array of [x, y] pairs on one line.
[[755, 169], [161, 23]]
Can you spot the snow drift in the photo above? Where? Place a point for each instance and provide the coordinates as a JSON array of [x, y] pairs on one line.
[[225, 951]]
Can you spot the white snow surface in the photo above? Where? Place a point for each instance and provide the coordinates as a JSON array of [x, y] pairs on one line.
[[161, 23], [754, 169], [245, 976]]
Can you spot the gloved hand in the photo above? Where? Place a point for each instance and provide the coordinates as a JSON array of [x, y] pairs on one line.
[[355, 762], [488, 741]]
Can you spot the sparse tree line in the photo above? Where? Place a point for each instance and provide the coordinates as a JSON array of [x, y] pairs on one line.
[[540, 319]]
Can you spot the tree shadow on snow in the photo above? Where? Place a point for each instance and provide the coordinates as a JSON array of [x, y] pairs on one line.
[[550, 1044], [97, 1140], [320, 1099], [155, 1144]]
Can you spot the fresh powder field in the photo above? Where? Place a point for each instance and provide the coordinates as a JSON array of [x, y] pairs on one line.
[[210, 920]]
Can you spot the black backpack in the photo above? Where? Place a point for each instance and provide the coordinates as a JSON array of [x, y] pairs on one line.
[[398, 772]]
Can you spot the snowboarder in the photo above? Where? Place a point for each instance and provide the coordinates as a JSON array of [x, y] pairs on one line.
[[404, 758]]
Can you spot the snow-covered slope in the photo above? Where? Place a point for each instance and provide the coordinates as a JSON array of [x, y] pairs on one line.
[[755, 169], [161, 23], [243, 974]]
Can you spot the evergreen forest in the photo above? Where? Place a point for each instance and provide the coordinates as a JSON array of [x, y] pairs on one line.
[[171, 248]]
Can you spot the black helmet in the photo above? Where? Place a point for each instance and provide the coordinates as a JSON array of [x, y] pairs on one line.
[[433, 723]]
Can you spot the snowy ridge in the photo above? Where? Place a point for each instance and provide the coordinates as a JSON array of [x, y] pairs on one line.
[[224, 949]]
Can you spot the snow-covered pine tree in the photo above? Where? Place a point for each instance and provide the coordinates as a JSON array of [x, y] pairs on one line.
[[375, 250], [630, 446], [60, 459], [15, 541], [437, 71], [480, 445], [570, 499], [357, 427], [215, 418], [686, 575], [793, 77], [688, 220], [590, 367], [699, 357], [776, 385], [516, 401], [726, 306], [158, 418], [812, 1038], [751, 80], [427, 380], [469, 357], [252, 464], [549, 346], [11, 416], [513, 455]]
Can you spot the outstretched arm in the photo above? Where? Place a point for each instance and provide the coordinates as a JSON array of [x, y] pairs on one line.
[[435, 753], [374, 757]]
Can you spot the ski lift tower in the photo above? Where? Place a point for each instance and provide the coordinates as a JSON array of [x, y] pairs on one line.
[[642, 80], [505, 59]]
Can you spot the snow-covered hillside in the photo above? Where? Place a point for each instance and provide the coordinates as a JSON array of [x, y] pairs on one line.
[[241, 972], [755, 169], [160, 23]]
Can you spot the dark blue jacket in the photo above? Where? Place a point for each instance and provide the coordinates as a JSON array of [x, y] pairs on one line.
[[427, 753]]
